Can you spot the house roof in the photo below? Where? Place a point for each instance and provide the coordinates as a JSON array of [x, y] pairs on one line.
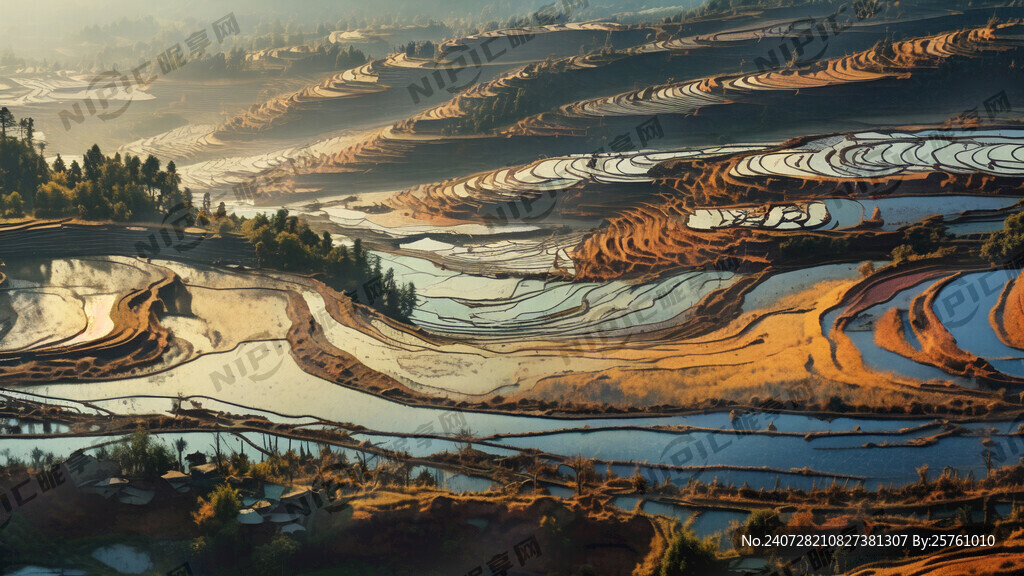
[[129, 495], [249, 517], [279, 517], [204, 469], [297, 492]]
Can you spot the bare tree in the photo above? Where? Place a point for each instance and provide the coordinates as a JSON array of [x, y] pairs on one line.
[[583, 468], [465, 439], [217, 451], [536, 469]]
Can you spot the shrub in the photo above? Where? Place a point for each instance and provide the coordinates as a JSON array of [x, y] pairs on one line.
[[224, 226], [759, 524], [919, 240], [688, 555], [220, 510], [12, 206], [140, 455], [866, 269], [273, 559], [640, 485], [240, 464], [1006, 244], [425, 478], [902, 253]]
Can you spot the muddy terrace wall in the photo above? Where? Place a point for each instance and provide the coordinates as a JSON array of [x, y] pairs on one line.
[[55, 240]]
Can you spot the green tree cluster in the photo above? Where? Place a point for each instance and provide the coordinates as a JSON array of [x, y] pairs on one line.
[[221, 544], [1007, 244], [688, 555], [136, 190], [22, 169], [219, 509], [286, 242], [425, 49], [142, 456], [100, 188], [759, 524], [275, 557], [324, 56], [12, 206], [920, 239], [811, 246]]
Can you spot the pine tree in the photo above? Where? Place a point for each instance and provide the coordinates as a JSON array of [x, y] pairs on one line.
[[75, 175], [28, 129], [150, 169], [6, 119], [93, 163]]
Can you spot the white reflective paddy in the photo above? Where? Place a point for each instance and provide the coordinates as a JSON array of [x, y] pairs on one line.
[[877, 155]]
